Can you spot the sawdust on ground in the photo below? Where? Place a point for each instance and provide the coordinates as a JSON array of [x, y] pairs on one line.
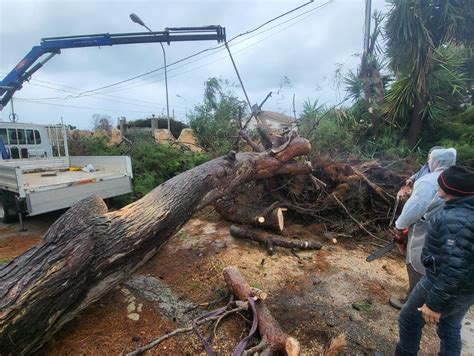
[[311, 293]]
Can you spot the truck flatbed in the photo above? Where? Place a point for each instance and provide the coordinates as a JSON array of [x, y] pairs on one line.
[[48, 184]]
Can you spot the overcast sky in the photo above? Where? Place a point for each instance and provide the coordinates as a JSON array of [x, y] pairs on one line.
[[306, 49]]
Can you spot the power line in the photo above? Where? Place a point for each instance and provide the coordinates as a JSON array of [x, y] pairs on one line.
[[78, 89], [309, 12], [221, 58], [271, 20], [65, 91], [94, 93], [82, 107], [195, 54]]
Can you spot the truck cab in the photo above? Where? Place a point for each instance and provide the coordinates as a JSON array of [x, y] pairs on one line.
[[37, 175]]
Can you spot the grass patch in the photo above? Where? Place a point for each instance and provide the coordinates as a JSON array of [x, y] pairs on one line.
[[365, 305], [183, 235], [256, 285], [5, 260]]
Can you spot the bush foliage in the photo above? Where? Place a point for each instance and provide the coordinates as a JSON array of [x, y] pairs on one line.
[[459, 133]]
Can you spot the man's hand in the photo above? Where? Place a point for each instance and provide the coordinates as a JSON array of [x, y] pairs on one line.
[[405, 192], [431, 317], [409, 183], [400, 237]]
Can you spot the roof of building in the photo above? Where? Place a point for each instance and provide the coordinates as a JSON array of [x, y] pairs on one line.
[[277, 117]]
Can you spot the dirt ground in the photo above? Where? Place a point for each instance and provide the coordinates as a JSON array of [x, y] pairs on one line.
[[315, 295]]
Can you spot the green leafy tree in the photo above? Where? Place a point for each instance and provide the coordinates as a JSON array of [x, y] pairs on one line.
[[215, 123], [459, 133], [422, 37], [310, 118]]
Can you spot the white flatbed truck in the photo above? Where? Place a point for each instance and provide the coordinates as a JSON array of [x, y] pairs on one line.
[[37, 175]]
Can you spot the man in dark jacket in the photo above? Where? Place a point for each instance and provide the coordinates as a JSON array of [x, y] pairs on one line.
[[445, 294]]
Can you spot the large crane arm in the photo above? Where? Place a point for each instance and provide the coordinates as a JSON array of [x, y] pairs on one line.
[[53, 46]]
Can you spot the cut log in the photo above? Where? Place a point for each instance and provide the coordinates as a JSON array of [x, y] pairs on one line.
[[250, 215], [88, 251], [270, 240], [273, 337]]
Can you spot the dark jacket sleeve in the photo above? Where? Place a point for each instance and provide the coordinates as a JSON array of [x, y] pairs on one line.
[[455, 263]]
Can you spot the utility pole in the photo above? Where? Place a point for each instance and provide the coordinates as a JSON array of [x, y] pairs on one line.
[[185, 106], [368, 11], [294, 110]]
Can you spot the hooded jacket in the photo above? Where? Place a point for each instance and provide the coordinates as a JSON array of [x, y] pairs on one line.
[[448, 254], [423, 204]]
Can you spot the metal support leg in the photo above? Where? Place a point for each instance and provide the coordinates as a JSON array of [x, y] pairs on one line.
[[20, 216]]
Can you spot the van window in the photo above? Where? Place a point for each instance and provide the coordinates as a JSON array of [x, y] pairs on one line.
[[15, 152], [13, 137], [17, 136], [3, 133], [21, 136], [31, 139]]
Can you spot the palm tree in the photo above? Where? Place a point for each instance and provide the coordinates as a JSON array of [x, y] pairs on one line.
[[417, 33]]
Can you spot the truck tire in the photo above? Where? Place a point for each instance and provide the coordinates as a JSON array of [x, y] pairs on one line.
[[7, 207]]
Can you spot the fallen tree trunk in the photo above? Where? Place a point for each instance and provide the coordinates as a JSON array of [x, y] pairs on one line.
[[88, 251], [274, 339], [270, 240], [270, 217]]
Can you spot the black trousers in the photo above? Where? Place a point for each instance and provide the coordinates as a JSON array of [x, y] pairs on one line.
[[413, 278]]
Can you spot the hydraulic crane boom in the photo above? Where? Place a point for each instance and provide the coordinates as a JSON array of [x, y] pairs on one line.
[[53, 46]]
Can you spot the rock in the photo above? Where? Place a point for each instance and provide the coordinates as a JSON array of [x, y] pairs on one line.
[[134, 316], [157, 292], [131, 308]]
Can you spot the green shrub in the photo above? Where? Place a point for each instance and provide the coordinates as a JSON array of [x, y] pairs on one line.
[[459, 133], [340, 132], [330, 137], [91, 146], [154, 163]]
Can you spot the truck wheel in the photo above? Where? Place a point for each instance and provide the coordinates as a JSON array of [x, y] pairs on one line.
[[7, 207]]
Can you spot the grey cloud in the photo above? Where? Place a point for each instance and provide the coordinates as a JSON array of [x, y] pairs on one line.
[[305, 52]]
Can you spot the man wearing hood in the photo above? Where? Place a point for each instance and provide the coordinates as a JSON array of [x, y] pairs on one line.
[[417, 211], [405, 191], [444, 295]]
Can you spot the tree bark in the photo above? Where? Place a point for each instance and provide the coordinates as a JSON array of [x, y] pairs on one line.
[[250, 215], [274, 338], [416, 122], [88, 251]]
